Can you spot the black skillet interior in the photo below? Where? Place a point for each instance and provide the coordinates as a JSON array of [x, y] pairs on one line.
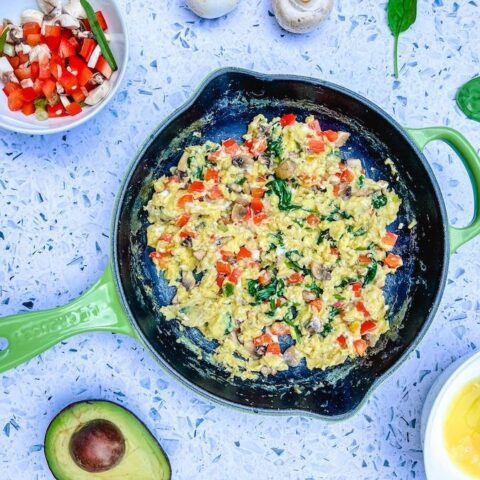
[[222, 109]]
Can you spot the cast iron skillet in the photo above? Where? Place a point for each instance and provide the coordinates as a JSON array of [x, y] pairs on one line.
[[128, 297]]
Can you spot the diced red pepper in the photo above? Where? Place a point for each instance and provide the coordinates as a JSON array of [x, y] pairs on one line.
[[31, 28], [53, 36], [24, 58], [357, 289], [263, 339], [28, 109], [186, 234], [196, 186], [88, 46], [220, 280], [367, 326], [184, 200], [280, 329], [34, 39], [316, 146], [23, 73], [29, 94], [35, 70], [211, 174], [78, 96], [76, 64], [317, 304], [256, 204], [183, 220], [57, 66], [313, 220], [166, 237], [243, 253], [223, 267], [15, 100], [364, 258], [215, 193], [390, 239], [342, 341], [360, 346], [256, 146], [259, 218], [274, 349], [360, 306], [84, 76], [66, 48], [14, 61], [69, 82], [231, 146], [287, 119], [10, 87], [235, 275], [226, 255], [257, 192], [347, 176], [100, 19], [393, 261], [55, 111], [49, 89], [214, 156], [103, 67], [331, 135], [73, 109], [295, 278]]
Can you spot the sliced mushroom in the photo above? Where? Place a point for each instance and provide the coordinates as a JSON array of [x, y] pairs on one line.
[[50, 7], [39, 51], [354, 163], [69, 22], [27, 83], [15, 34], [266, 370], [243, 160], [286, 169], [23, 48], [98, 94], [80, 34], [97, 79], [235, 187], [292, 357], [300, 16], [75, 9], [320, 272], [260, 351], [188, 281], [6, 71], [182, 163], [308, 296], [239, 212], [315, 325], [31, 15], [341, 139]]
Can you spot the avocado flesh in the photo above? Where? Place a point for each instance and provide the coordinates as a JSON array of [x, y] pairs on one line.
[[144, 458]]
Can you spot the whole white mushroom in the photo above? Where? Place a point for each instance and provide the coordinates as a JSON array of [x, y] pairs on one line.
[[212, 8], [301, 16]]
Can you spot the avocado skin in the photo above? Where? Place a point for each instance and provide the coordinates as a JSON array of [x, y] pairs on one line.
[[144, 458]]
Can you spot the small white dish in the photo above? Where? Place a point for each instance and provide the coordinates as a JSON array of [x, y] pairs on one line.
[[438, 465], [117, 31]]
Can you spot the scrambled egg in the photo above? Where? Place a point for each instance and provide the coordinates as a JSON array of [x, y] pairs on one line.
[[277, 247]]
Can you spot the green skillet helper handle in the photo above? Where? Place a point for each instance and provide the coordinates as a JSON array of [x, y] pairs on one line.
[[29, 334], [471, 160]]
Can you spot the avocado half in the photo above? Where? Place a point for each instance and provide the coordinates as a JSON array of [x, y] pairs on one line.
[[102, 440]]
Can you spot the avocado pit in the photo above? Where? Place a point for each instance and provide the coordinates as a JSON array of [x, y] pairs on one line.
[[97, 446]]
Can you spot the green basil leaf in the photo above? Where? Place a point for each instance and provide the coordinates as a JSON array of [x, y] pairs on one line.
[[371, 273], [401, 15], [3, 39], [468, 99], [228, 290]]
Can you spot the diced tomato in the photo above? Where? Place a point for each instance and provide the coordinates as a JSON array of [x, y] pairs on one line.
[[259, 218], [367, 326], [393, 261], [24, 58], [347, 176], [34, 39], [14, 61], [78, 96], [68, 81], [287, 119], [256, 146], [313, 220], [274, 349], [360, 306], [35, 70], [211, 174], [214, 156], [390, 239], [257, 192], [31, 28], [280, 329], [342, 341], [223, 267], [28, 109], [230, 142], [226, 255], [73, 109], [23, 73], [357, 289], [184, 200], [214, 193], [88, 46], [103, 67], [295, 278], [316, 146], [15, 100], [263, 339], [10, 87], [334, 251], [186, 234], [53, 36], [44, 67], [244, 253], [161, 258], [66, 48], [101, 20], [317, 304], [360, 346], [331, 135], [235, 275], [76, 64], [364, 258], [55, 111], [49, 89], [315, 125], [37, 86], [84, 76], [166, 237], [265, 277], [220, 280], [28, 94], [256, 204], [56, 67], [231, 146], [196, 186]]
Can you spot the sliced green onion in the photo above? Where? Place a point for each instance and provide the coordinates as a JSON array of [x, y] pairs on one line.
[[99, 35]]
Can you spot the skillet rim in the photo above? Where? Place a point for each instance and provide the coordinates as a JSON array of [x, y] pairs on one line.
[[119, 202]]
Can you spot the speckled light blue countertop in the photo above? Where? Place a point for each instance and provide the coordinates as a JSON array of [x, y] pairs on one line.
[[56, 198]]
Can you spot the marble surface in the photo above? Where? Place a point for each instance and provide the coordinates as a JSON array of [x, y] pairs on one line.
[[56, 197]]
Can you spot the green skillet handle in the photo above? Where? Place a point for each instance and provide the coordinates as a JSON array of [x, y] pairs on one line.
[[471, 160], [30, 334]]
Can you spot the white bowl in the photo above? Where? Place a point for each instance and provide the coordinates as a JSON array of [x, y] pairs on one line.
[[117, 30], [438, 465]]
